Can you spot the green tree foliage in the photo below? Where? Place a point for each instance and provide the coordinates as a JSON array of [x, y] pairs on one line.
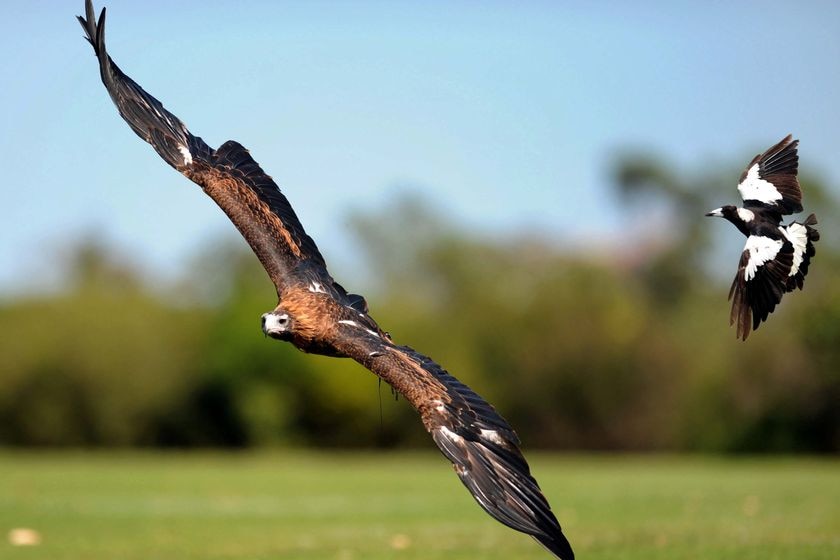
[[778, 392], [577, 351], [91, 365]]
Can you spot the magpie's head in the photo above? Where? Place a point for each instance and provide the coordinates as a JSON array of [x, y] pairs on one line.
[[741, 217], [277, 324], [729, 212]]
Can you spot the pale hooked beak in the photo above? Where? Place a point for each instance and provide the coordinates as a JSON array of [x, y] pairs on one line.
[[717, 212]]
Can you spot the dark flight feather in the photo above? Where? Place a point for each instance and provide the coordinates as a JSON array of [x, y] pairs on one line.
[[779, 166], [144, 114], [753, 300], [215, 171], [481, 445]]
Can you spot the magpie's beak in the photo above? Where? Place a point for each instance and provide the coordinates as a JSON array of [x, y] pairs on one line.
[[716, 213]]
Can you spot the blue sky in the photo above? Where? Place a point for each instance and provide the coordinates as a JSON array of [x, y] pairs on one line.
[[504, 115]]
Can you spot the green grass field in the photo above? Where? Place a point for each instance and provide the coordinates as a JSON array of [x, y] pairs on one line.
[[410, 506]]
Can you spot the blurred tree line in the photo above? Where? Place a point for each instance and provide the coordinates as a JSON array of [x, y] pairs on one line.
[[623, 349]]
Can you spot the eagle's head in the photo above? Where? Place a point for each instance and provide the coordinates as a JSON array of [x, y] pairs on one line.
[[277, 325]]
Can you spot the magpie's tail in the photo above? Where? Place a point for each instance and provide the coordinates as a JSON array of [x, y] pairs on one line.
[[797, 279]]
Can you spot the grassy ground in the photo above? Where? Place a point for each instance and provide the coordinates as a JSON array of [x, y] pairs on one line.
[[410, 506]]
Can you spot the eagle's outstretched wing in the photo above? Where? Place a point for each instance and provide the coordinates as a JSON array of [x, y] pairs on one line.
[[481, 445], [770, 178], [229, 175]]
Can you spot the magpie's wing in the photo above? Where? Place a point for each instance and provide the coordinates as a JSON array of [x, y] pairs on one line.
[[760, 283], [802, 237], [770, 178], [229, 175], [481, 445]]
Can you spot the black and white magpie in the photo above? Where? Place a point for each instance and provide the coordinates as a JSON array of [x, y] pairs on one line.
[[776, 257]]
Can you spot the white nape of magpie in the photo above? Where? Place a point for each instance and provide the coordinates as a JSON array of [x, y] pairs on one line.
[[776, 257]]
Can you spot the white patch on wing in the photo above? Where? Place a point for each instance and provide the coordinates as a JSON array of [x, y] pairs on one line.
[[316, 288], [186, 153], [797, 234], [746, 215], [761, 250], [358, 326], [754, 187], [493, 436], [450, 435], [439, 406]]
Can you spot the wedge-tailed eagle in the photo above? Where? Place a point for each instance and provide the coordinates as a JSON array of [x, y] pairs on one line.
[[317, 315]]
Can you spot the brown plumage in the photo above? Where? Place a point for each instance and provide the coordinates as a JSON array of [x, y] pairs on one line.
[[317, 315]]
